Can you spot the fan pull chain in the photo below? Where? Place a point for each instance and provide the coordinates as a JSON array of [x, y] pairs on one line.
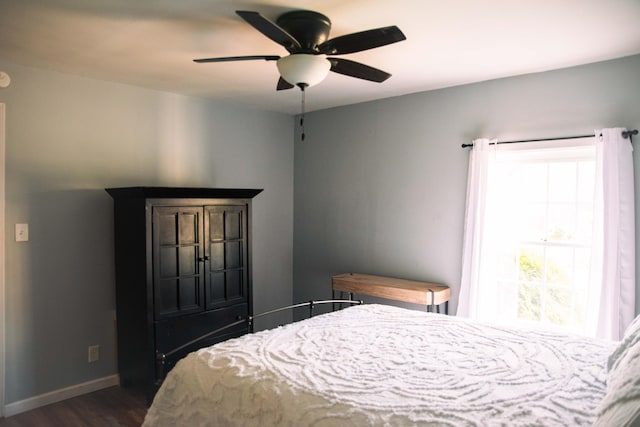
[[302, 113]]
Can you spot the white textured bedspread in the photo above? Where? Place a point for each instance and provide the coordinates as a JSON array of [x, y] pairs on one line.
[[387, 366]]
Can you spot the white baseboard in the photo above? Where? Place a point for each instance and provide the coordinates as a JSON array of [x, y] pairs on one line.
[[59, 395]]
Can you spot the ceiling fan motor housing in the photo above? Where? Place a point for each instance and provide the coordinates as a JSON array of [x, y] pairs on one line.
[[309, 28]]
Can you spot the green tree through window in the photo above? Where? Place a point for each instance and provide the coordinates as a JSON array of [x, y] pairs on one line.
[[532, 273]]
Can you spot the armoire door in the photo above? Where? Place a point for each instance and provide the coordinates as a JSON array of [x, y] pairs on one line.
[[178, 281], [226, 255]]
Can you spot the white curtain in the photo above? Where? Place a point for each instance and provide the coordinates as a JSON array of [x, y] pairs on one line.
[[614, 172], [612, 291], [477, 181]]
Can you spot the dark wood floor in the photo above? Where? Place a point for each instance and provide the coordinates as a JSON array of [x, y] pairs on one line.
[[110, 407]]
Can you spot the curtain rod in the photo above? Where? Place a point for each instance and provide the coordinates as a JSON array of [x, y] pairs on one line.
[[625, 134]]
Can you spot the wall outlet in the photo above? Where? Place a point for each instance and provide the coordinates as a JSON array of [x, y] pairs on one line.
[[94, 353], [22, 232]]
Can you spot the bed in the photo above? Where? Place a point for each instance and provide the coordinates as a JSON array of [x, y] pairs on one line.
[[379, 365]]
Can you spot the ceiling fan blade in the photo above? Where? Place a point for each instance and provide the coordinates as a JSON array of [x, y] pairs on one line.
[[357, 70], [363, 40], [284, 85], [238, 58], [270, 29]]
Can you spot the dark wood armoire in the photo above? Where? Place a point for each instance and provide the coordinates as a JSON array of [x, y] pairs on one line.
[[183, 269]]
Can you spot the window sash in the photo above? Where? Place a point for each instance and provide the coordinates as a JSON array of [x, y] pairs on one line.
[[518, 156]]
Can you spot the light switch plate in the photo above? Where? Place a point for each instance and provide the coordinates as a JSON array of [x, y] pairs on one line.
[[22, 232]]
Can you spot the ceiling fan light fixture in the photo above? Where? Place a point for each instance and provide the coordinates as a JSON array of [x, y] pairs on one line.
[[304, 69]]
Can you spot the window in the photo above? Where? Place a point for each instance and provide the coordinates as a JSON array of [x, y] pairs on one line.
[[539, 224], [549, 234]]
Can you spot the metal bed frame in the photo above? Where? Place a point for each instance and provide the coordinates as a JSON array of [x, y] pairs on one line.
[[161, 357]]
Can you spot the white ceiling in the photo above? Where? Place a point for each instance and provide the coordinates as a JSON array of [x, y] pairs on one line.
[[151, 43]]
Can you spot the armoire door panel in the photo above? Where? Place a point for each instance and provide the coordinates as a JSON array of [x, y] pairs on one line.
[[189, 227], [188, 288], [226, 251], [233, 252], [234, 284], [216, 223], [167, 233], [188, 261], [177, 269], [216, 289], [168, 262], [233, 224], [166, 297], [216, 256]]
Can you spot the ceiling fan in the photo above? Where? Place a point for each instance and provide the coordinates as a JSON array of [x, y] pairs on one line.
[[305, 35]]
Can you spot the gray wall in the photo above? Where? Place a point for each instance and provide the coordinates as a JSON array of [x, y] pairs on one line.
[[68, 138], [380, 187]]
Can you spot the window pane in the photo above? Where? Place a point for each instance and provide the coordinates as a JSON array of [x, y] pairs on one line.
[[559, 267], [562, 178], [531, 264], [534, 182], [586, 181], [558, 306], [582, 270], [508, 305], [562, 221], [529, 302], [533, 224], [507, 265]]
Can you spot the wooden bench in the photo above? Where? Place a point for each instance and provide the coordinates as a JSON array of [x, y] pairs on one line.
[[432, 295]]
